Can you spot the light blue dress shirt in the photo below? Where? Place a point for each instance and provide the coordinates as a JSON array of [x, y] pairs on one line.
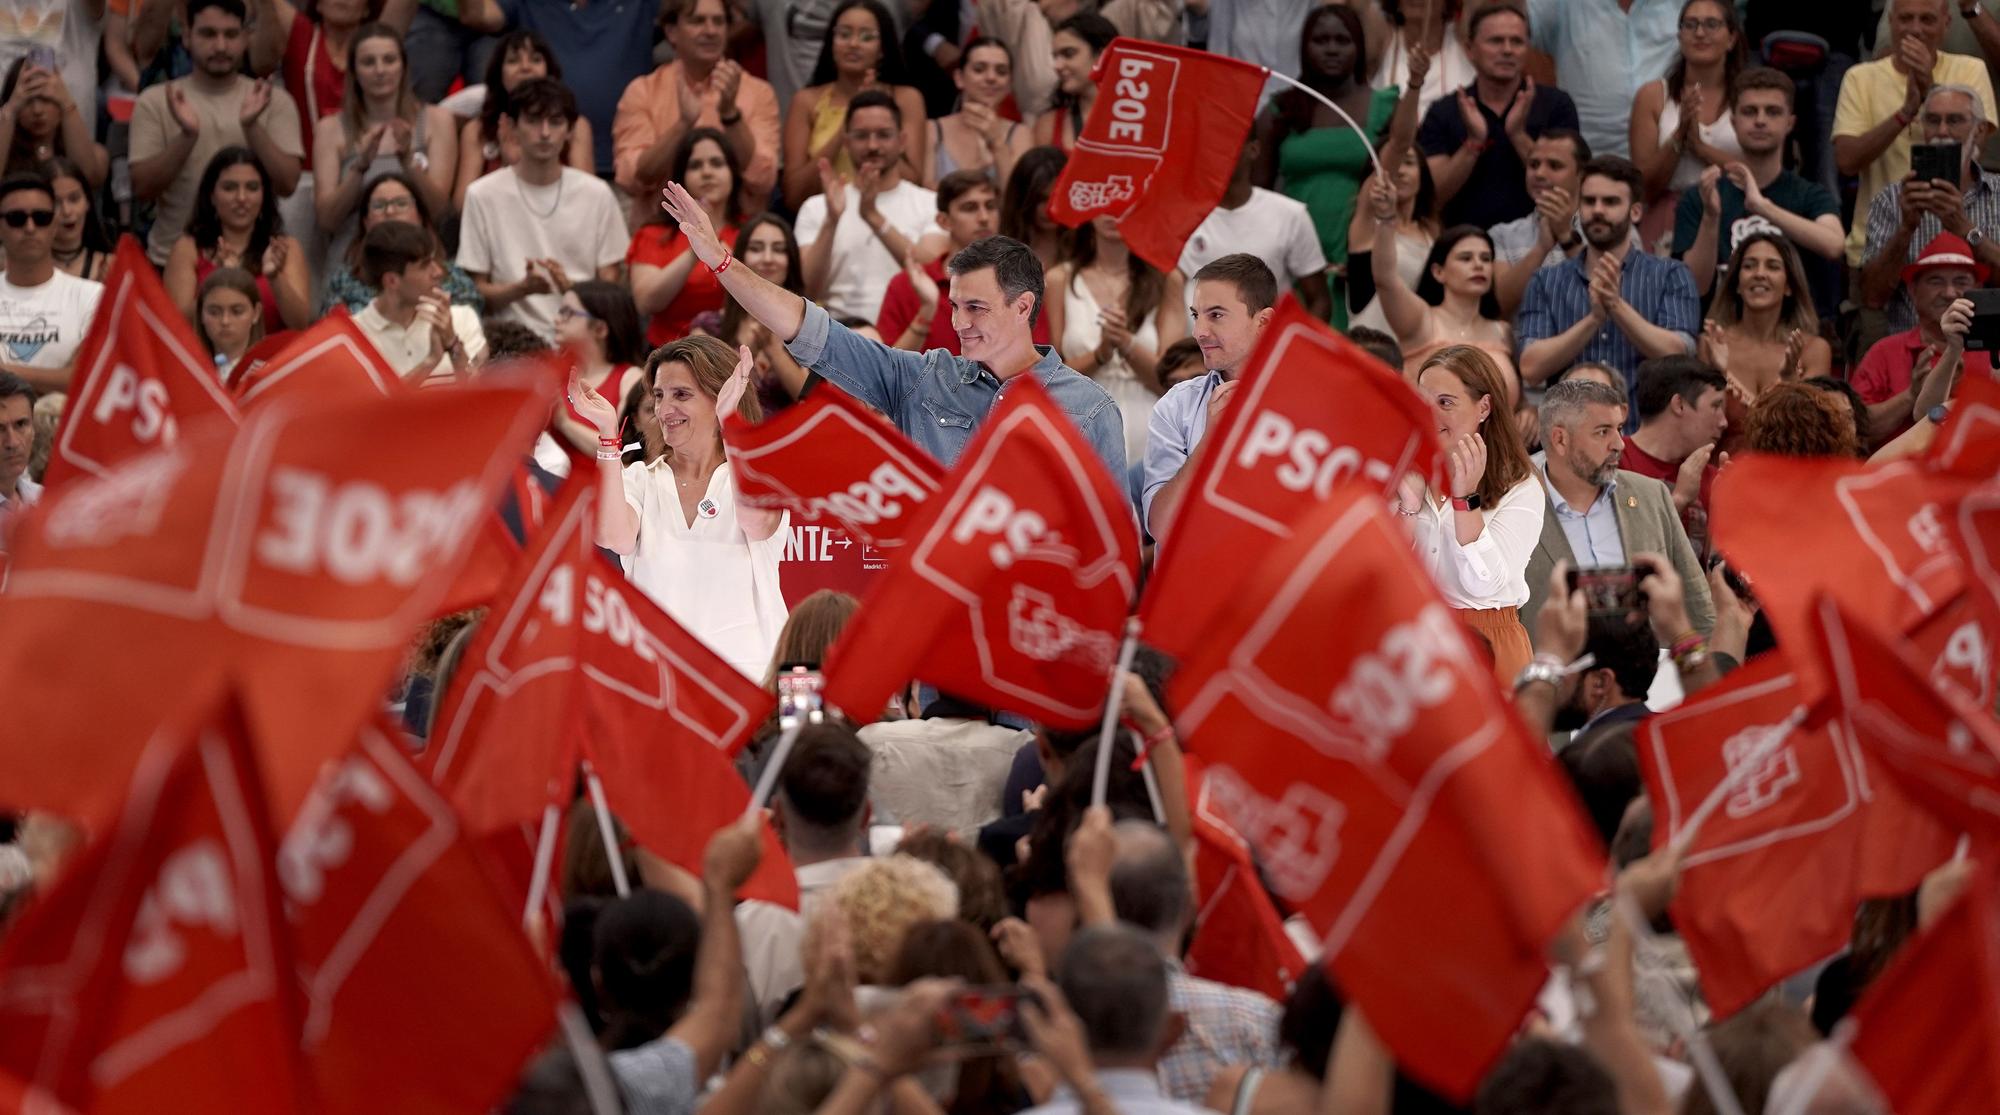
[[1604, 55], [1593, 532], [939, 399], [1179, 420]]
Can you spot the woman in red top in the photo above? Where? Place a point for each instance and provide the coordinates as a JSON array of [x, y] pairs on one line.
[[669, 284], [236, 224], [309, 43], [598, 323]]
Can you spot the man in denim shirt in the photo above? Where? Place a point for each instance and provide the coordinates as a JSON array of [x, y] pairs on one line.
[[936, 398]]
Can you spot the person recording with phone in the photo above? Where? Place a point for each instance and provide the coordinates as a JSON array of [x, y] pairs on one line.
[[1599, 517], [1907, 215]]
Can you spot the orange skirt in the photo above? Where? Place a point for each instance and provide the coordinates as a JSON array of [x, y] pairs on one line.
[[1501, 631]]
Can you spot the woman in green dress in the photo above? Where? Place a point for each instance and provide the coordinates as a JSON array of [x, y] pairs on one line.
[[1307, 151]]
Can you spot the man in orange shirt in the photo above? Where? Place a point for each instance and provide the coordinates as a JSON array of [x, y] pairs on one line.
[[700, 89]]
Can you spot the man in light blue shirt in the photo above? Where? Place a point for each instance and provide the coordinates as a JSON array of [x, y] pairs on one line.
[[1233, 297], [934, 397], [1605, 50], [1581, 422]]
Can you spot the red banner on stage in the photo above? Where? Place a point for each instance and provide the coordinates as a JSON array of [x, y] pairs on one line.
[[141, 376], [1313, 410], [1159, 148], [1359, 743], [1014, 586]]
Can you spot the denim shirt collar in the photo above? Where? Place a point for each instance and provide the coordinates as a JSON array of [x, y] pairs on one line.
[[1045, 367]]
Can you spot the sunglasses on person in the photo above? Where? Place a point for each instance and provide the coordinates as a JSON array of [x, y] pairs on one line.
[[19, 218]]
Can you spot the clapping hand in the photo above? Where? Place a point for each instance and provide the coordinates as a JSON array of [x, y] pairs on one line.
[[738, 383], [1467, 465], [1517, 113], [256, 99], [833, 188], [595, 408], [1114, 336]]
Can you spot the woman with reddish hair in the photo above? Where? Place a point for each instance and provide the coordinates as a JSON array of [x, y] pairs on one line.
[[1475, 536]]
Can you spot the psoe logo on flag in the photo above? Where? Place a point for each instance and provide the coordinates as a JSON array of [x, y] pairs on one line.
[[1086, 196], [1037, 629], [1777, 768], [1297, 836]]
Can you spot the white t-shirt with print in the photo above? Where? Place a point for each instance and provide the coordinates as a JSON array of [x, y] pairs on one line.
[[859, 273], [41, 326], [575, 221]]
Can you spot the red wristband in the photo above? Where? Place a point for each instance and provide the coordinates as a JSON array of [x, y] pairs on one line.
[[728, 257]]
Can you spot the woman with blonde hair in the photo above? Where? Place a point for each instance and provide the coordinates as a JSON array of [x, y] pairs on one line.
[[709, 561], [1475, 536], [381, 128]]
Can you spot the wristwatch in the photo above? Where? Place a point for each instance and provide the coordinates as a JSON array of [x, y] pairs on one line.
[[1974, 237], [1469, 503], [1538, 671], [1937, 414]]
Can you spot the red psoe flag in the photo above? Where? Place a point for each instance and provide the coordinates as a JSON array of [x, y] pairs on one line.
[[1238, 937], [1015, 585], [141, 376], [389, 907], [1928, 1029], [1160, 146], [155, 977], [1312, 411], [1768, 883], [1933, 753], [330, 361], [295, 555], [831, 457], [1357, 741]]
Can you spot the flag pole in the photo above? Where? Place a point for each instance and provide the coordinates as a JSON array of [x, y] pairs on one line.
[[768, 780], [545, 854], [1701, 1055], [604, 829], [590, 1064], [1734, 779], [1826, 1057], [1360, 132], [1105, 740]]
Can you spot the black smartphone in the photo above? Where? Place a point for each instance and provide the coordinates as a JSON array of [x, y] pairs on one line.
[[1937, 162], [1985, 333], [1612, 590], [984, 1020]]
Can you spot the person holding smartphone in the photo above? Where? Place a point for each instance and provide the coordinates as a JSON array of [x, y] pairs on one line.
[[1907, 216]]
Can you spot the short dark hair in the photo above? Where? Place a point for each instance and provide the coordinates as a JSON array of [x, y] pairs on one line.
[[1378, 344], [959, 183], [1116, 982], [542, 98], [1546, 1078], [1764, 77], [1618, 169], [871, 98], [1252, 277], [27, 180], [506, 338], [1664, 377], [1013, 263], [643, 948], [229, 7], [1501, 7], [825, 781], [1577, 143], [12, 385], [1149, 885], [1603, 769], [390, 247]]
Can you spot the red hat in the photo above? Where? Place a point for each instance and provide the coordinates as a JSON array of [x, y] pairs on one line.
[[1946, 251]]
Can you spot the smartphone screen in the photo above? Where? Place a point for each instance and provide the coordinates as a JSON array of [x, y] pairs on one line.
[[1936, 162], [982, 1020]]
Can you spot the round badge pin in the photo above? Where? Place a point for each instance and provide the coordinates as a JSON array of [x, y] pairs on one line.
[[707, 508]]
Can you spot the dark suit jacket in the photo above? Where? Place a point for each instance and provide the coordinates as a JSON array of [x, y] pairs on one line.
[[1647, 523]]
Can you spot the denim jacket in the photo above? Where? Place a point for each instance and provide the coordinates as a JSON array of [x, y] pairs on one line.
[[938, 399]]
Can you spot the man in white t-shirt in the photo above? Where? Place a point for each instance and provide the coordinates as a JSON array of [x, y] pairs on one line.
[[44, 311], [531, 229], [857, 233], [1266, 224], [412, 322]]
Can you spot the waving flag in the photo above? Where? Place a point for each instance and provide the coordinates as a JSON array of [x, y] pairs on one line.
[[296, 555], [332, 360], [1312, 411], [1152, 99], [1015, 584], [832, 458], [141, 376], [1358, 742]]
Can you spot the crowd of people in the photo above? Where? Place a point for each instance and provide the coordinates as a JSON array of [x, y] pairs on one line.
[[1614, 244]]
